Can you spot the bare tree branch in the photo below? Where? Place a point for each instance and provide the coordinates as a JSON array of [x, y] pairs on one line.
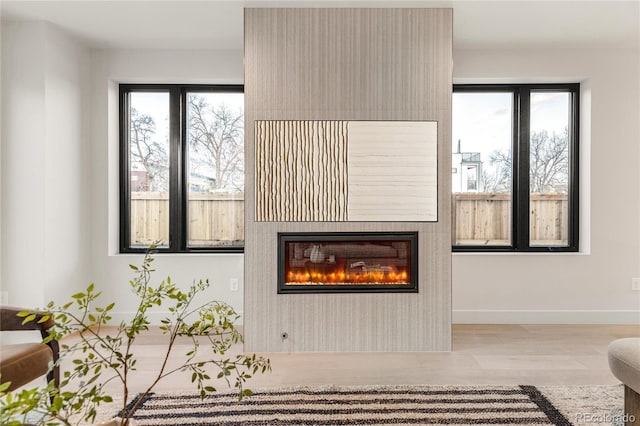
[[549, 161], [148, 152], [548, 165], [216, 139]]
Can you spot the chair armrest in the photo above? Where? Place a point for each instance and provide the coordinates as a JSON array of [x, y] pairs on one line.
[[9, 320]]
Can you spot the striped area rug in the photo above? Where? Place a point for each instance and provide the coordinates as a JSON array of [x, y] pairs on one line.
[[422, 405]]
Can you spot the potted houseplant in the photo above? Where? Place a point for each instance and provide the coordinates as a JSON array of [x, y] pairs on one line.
[[100, 354]]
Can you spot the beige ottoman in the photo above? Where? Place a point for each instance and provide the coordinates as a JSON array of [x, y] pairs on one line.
[[624, 362]]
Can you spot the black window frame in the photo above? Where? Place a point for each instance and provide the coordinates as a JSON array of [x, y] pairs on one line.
[[178, 179], [520, 226]]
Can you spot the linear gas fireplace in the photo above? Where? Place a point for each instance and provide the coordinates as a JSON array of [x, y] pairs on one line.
[[347, 262]]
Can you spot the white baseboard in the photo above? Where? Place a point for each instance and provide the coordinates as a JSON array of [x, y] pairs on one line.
[[154, 317], [486, 317], [545, 317]]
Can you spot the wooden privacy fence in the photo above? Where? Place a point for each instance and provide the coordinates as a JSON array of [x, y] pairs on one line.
[[478, 218], [485, 219], [214, 218]]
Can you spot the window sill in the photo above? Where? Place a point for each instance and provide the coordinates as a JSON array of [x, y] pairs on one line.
[[520, 253]]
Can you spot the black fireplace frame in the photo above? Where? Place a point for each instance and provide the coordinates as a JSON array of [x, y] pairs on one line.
[[284, 237]]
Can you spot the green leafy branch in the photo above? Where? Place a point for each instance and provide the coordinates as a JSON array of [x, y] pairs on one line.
[[98, 357]]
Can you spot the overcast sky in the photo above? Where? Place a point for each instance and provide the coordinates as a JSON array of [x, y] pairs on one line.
[[482, 121], [156, 105]]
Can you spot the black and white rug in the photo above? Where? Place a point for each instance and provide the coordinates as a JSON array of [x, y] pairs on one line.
[[364, 405]]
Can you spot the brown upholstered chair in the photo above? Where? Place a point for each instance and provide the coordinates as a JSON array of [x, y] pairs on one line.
[[21, 363]]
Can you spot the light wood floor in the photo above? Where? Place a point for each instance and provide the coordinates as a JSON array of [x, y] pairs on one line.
[[482, 354]]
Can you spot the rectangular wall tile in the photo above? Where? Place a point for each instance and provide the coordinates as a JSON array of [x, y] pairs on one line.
[[393, 171]]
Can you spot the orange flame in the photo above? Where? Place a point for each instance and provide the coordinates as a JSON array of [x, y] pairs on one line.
[[342, 278]]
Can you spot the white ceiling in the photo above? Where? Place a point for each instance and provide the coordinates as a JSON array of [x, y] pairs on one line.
[[211, 24]]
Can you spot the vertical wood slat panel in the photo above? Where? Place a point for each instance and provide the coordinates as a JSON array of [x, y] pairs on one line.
[[149, 217], [348, 64], [485, 219], [215, 217], [212, 217]]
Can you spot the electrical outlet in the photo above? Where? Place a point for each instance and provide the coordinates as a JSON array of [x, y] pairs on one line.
[[4, 297], [233, 284], [635, 284]]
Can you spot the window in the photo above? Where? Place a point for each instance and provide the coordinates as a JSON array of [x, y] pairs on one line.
[[181, 168], [515, 167]]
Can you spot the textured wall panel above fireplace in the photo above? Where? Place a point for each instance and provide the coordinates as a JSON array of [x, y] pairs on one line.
[[315, 170], [301, 170]]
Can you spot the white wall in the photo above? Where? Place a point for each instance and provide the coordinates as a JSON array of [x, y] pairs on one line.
[[594, 285], [3, 293], [109, 269], [44, 168]]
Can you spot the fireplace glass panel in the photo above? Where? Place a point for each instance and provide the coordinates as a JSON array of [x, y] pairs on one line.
[[347, 262]]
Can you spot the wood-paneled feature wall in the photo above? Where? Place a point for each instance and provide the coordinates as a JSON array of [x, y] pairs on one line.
[[348, 64]]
